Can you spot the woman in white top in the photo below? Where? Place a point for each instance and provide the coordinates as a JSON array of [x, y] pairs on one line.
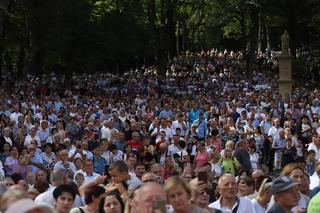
[[215, 164], [254, 157], [31, 137], [260, 203]]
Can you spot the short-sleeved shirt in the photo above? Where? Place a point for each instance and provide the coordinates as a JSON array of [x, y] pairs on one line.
[[314, 204]]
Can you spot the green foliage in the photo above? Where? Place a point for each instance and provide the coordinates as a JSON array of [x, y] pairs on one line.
[[95, 35]]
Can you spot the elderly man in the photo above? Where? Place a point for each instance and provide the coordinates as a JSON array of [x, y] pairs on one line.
[[229, 202], [148, 198], [286, 195], [315, 145]]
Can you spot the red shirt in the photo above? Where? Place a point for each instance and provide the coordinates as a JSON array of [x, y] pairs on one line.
[[135, 145]]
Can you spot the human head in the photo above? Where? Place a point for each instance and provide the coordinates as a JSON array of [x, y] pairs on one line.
[[227, 186], [119, 171], [64, 196], [246, 186], [178, 192], [156, 169], [203, 199], [111, 202], [131, 161], [79, 179], [286, 192], [11, 196], [59, 176], [28, 206], [140, 169], [146, 198], [88, 166], [8, 182], [42, 175], [294, 171], [311, 154], [148, 177], [93, 194]]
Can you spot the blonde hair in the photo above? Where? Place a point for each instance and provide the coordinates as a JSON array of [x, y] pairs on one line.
[[286, 171], [174, 181], [265, 187], [11, 196]]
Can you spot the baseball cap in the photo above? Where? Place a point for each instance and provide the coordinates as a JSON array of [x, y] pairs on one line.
[[281, 184]]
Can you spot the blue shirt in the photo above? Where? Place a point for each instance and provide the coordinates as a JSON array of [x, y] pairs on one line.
[[166, 113], [36, 159], [201, 128], [43, 134], [99, 164]]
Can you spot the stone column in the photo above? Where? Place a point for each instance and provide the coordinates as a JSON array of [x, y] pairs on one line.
[[285, 61], [285, 75]]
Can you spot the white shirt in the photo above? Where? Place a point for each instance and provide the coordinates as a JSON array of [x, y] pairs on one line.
[[28, 140], [106, 133], [59, 165], [312, 146], [173, 149], [216, 168], [133, 182], [169, 132], [47, 197], [254, 159], [84, 152], [14, 116], [274, 132], [314, 181], [245, 206], [176, 124], [257, 207], [89, 178]]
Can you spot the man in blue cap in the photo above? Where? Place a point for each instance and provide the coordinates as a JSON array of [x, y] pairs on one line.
[[286, 195]]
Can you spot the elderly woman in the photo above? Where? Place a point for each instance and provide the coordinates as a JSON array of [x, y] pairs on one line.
[[200, 194], [179, 195]]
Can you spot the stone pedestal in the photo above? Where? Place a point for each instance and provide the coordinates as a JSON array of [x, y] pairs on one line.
[[285, 75]]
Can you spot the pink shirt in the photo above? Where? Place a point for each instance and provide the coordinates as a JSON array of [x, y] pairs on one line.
[[202, 158]]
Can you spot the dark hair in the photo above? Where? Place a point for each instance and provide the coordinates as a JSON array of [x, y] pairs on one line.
[[112, 147], [248, 180], [182, 144], [140, 163], [93, 191], [311, 152], [102, 200], [260, 180], [57, 192], [120, 166], [41, 186], [74, 186], [16, 177], [47, 145]]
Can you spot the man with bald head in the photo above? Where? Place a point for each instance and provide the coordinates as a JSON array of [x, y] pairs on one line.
[[228, 201], [148, 198]]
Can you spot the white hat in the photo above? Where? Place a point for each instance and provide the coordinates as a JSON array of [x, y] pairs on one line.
[[25, 205]]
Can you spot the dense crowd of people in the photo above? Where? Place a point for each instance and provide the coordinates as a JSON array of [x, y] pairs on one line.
[[201, 138]]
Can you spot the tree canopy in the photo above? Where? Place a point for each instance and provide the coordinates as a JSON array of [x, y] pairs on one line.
[[39, 36]]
